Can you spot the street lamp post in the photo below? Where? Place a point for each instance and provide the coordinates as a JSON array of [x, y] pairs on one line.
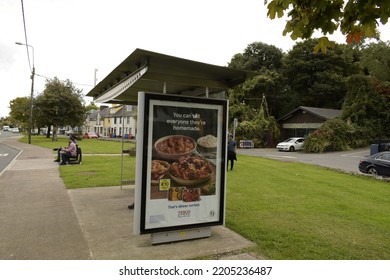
[[32, 92]]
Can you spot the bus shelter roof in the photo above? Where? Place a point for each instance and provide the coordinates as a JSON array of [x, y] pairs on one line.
[[153, 72]]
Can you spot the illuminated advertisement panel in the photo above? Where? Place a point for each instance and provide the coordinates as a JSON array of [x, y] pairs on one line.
[[183, 162]]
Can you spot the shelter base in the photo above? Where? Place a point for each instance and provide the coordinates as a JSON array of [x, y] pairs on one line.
[[180, 235]]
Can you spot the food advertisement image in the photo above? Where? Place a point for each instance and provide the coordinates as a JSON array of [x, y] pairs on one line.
[[185, 181]]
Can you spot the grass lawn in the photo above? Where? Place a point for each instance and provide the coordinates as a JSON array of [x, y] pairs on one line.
[[88, 146], [98, 171], [98, 168], [289, 210], [299, 211]]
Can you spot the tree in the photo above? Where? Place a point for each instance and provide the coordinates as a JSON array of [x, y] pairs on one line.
[[366, 108], [307, 78], [60, 104], [262, 128], [270, 84], [265, 61], [19, 111], [316, 79], [258, 57], [91, 106], [356, 19], [375, 60]]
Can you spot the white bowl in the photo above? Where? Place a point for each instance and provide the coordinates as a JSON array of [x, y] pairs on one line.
[[207, 144]]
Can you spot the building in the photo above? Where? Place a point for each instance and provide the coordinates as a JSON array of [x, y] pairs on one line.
[[303, 120], [95, 120], [123, 121], [114, 121]]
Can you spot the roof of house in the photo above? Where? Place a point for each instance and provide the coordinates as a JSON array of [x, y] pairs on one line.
[[153, 72], [323, 113], [123, 112], [92, 114], [103, 112]]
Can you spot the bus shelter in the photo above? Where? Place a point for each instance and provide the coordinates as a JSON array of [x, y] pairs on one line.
[[181, 139]]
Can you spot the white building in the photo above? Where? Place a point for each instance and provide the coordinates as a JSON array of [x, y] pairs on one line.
[[115, 121]]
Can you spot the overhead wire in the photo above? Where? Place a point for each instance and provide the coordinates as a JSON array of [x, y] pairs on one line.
[[28, 52], [25, 37], [50, 78]]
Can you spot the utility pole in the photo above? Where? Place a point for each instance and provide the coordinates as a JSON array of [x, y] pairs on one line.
[[30, 121]]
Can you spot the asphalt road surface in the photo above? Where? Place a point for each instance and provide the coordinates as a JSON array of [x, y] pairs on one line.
[[345, 161], [7, 153]]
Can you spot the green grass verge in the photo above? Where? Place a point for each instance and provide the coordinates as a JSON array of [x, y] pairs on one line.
[[300, 211], [88, 146], [98, 171], [289, 210]]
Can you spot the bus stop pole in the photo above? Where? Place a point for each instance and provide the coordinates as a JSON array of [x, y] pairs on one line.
[[235, 124]]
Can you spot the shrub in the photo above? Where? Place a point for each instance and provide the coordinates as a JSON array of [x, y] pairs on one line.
[[333, 135], [258, 131]]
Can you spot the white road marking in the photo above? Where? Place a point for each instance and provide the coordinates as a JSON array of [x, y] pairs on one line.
[[356, 154], [279, 156], [3, 155]]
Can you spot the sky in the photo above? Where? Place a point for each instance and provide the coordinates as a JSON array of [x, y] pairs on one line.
[[72, 38]]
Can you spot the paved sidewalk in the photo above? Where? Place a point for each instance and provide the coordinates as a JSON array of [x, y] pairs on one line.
[[41, 220], [37, 217]]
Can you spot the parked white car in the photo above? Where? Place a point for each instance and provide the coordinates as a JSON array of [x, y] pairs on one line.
[[14, 130], [291, 144]]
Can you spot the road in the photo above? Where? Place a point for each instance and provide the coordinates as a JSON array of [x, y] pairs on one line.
[[7, 153], [345, 161]]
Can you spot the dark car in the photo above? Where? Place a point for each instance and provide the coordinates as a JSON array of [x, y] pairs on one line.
[[377, 164]]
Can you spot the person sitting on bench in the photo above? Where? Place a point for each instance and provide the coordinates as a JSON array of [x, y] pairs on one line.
[[60, 149], [70, 151]]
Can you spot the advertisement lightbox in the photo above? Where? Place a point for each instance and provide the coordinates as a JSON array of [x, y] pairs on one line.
[[181, 162]]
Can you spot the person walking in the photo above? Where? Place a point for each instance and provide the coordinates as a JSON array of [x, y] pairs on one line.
[[232, 156]]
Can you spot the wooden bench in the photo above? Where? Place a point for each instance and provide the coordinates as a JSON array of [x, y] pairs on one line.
[[78, 158], [131, 152]]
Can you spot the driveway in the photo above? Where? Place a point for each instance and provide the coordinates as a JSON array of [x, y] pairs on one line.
[[345, 161]]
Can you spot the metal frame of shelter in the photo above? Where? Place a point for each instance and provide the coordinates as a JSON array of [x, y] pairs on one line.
[[146, 71], [154, 72]]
